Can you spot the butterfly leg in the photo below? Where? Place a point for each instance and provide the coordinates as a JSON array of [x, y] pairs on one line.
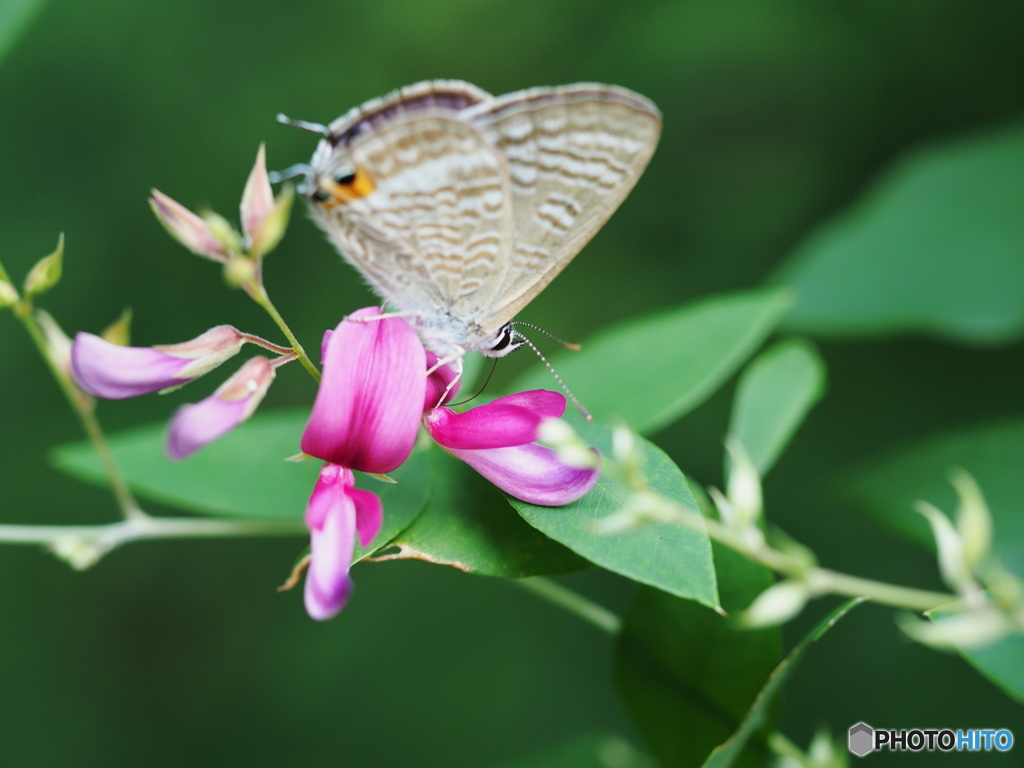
[[455, 360]]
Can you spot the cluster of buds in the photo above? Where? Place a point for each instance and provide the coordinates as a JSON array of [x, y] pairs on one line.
[[103, 367], [991, 604]]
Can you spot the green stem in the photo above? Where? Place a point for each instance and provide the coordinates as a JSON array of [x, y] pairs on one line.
[[821, 580], [83, 406], [146, 527], [888, 594], [260, 296], [573, 602]]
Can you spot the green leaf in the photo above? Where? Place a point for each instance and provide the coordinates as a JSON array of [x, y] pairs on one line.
[[594, 750], [774, 394], [1002, 663], [652, 370], [937, 246], [242, 475], [759, 714], [15, 17], [469, 525], [687, 674], [886, 489], [671, 557]]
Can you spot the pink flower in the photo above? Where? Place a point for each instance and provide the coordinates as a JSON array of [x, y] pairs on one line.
[[337, 512], [367, 410], [195, 425], [498, 440], [366, 416], [114, 372]]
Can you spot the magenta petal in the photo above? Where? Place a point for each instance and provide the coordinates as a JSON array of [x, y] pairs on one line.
[[437, 383], [495, 425], [543, 402], [369, 514], [367, 410], [328, 586], [114, 372], [331, 483], [532, 473], [196, 425]]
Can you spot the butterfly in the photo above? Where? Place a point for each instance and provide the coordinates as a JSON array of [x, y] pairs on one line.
[[459, 207]]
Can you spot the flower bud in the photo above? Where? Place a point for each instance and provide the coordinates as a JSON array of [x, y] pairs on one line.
[[744, 485], [264, 219], [187, 228], [777, 604], [195, 425], [257, 198], [952, 563], [112, 372], [78, 553], [46, 272], [8, 294], [119, 331], [973, 520], [971, 629], [58, 345], [568, 446]]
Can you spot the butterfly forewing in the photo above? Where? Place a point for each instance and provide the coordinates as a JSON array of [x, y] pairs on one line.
[[468, 205], [437, 226], [573, 154]]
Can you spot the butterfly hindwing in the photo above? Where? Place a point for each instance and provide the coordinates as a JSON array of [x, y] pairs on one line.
[[573, 154]]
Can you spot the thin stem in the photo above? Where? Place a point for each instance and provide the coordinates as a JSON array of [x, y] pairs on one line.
[[260, 296], [880, 592], [821, 580], [83, 406], [146, 527], [573, 602]]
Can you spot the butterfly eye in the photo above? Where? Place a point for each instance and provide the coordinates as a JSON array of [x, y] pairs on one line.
[[321, 196], [345, 178]]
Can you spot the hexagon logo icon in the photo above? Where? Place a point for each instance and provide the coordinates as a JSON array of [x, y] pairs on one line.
[[862, 739]]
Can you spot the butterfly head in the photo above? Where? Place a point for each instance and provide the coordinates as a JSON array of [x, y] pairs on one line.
[[340, 184], [506, 342]]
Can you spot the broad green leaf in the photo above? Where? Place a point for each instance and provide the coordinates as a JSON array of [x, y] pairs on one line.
[[15, 17], [936, 246], [774, 394], [652, 370], [1002, 663], [688, 675], [758, 716], [468, 524], [886, 489], [243, 474], [595, 750], [671, 557]]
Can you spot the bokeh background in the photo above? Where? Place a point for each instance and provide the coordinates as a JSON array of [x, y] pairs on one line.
[[777, 116]]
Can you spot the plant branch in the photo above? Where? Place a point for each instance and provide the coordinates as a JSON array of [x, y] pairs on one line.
[[573, 602]]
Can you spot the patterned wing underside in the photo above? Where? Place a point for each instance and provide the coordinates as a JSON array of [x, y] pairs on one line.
[[573, 155], [437, 227]]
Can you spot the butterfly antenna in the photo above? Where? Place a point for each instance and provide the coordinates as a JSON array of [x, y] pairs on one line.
[[302, 125], [561, 383], [291, 172], [483, 386], [563, 342]]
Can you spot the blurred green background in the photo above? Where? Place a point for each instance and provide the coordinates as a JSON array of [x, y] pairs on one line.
[[777, 115]]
